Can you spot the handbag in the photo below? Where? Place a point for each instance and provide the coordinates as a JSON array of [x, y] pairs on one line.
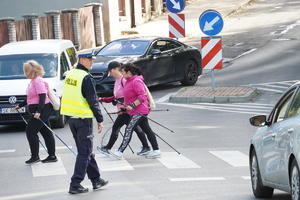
[[150, 99], [54, 99]]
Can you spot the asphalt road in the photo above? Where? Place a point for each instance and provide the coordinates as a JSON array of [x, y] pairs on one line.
[[212, 139]]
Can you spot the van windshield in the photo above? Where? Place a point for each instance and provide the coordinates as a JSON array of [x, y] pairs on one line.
[[11, 66]]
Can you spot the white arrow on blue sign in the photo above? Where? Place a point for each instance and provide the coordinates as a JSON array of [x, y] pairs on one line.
[[211, 22], [175, 6]]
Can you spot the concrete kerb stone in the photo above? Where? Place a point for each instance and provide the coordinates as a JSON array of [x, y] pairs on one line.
[[215, 99]]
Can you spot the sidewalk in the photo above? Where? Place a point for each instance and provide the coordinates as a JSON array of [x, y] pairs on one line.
[[193, 10]]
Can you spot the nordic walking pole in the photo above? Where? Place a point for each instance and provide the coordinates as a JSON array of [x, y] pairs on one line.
[[26, 123], [147, 117], [58, 137], [151, 111], [155, 133], [114, 122]]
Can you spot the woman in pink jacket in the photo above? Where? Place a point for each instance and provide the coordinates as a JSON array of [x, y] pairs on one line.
[[123, 117], [135, 101]]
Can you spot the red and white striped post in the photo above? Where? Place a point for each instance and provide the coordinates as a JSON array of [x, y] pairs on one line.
[[176, 25], [211, 48]]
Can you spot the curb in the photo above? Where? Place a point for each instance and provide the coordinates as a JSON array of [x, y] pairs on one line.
[[215, 99]]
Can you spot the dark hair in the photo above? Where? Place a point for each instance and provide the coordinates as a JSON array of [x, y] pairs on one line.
[[130, 67]]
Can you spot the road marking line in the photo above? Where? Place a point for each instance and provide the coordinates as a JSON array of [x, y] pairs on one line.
[[173, 160], [48, 169], [108, 163], [246, 177], [198, 179], [61, 147], [234, 158], [7, 151]]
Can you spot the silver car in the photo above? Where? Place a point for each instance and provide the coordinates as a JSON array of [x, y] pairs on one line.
[[275, 148]]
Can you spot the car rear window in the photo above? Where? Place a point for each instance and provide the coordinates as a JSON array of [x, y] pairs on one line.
[[11, 66]]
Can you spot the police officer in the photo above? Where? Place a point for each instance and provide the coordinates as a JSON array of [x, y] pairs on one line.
[[80, 103]]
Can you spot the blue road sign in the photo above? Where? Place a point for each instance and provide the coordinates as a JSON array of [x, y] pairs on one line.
[[175, 6], [211, 22]]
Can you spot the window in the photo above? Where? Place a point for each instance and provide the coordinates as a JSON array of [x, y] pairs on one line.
[[295, 106], [63, 65], [122, 8], [72, 56]]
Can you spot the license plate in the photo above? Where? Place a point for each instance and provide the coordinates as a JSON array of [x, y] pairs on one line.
[[12, 110]]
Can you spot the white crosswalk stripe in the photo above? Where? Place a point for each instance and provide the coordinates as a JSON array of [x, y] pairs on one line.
[[274, 86], [244, 108]]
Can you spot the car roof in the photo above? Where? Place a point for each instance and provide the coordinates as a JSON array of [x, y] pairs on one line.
[[36, 46], [138, 37]]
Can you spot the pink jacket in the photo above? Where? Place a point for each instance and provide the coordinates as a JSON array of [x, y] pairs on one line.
[[135, 89]]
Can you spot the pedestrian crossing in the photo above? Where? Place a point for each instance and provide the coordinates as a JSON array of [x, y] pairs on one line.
[[277, 87], [169, 160], [244, 108]]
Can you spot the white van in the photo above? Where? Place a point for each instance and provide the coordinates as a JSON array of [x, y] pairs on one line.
[[56, 56]]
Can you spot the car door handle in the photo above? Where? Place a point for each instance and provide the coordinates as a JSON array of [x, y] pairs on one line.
[[290, 130], [273, 135]]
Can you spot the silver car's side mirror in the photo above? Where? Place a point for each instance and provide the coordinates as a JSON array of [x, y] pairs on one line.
[[258, 120]]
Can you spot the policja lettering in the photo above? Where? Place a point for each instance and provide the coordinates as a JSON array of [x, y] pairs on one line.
[[70, 81]]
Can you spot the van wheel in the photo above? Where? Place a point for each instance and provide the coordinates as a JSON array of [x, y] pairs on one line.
[[60, 123]]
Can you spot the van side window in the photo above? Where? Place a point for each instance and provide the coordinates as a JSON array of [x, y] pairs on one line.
[[72, 55], [63, 65]]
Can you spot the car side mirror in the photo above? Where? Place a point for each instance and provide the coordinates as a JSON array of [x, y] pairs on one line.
[[155, 52], [258, 120]]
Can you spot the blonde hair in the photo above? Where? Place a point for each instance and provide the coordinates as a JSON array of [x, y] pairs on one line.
[[34, 69]]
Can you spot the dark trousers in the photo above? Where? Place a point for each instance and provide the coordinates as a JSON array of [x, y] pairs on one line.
[[142, 121], [120, 121], [34, 126], [85, 160]]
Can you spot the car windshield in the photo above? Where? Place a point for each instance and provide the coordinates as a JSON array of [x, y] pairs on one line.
[[11, 66], [124, 47]]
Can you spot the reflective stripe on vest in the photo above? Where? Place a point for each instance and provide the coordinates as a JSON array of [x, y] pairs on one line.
[[72, 102]]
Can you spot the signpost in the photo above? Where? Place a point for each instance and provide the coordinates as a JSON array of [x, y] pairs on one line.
[[211, 23], [175, 6]]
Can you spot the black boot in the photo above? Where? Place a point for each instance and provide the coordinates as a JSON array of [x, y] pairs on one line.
[[33, 159], [79, 189]]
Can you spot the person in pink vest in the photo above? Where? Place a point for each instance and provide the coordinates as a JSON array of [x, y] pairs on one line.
[[137, 106]]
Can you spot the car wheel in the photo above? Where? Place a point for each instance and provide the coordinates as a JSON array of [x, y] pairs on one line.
[[60, 123], [190, 73], [258, 189], [294, 180]]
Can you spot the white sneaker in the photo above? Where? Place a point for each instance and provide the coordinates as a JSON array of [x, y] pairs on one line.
[[115, 153], [154, 154]]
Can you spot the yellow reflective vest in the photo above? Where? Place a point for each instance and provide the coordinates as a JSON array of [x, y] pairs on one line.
[[72, 102]]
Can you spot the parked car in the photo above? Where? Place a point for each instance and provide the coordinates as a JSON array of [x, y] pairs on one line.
[[162, 60], [275, 147], [56, 56]]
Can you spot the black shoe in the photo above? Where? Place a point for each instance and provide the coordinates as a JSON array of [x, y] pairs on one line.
[[33, 159], [97, 185], [50, 159], [77, 190]]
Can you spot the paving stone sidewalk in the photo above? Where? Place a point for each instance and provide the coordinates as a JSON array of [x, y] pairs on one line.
[[194, 94]]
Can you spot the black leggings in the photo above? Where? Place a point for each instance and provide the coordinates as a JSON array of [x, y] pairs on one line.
[[142, 121], [34, 126], [120, 121]]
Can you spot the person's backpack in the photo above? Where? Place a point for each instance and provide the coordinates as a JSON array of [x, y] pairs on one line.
[[54, 99]]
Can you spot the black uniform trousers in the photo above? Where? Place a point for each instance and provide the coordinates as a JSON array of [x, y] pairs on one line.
[[85, 160]]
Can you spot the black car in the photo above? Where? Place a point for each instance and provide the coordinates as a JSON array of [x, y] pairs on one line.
[[162, 60]]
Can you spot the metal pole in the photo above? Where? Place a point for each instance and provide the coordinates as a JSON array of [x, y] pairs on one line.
[[213, 80]]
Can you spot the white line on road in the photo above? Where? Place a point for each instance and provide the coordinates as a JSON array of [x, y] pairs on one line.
[[173, 160], [7, 151], [198, 179], [234, 158], [48, 169]]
